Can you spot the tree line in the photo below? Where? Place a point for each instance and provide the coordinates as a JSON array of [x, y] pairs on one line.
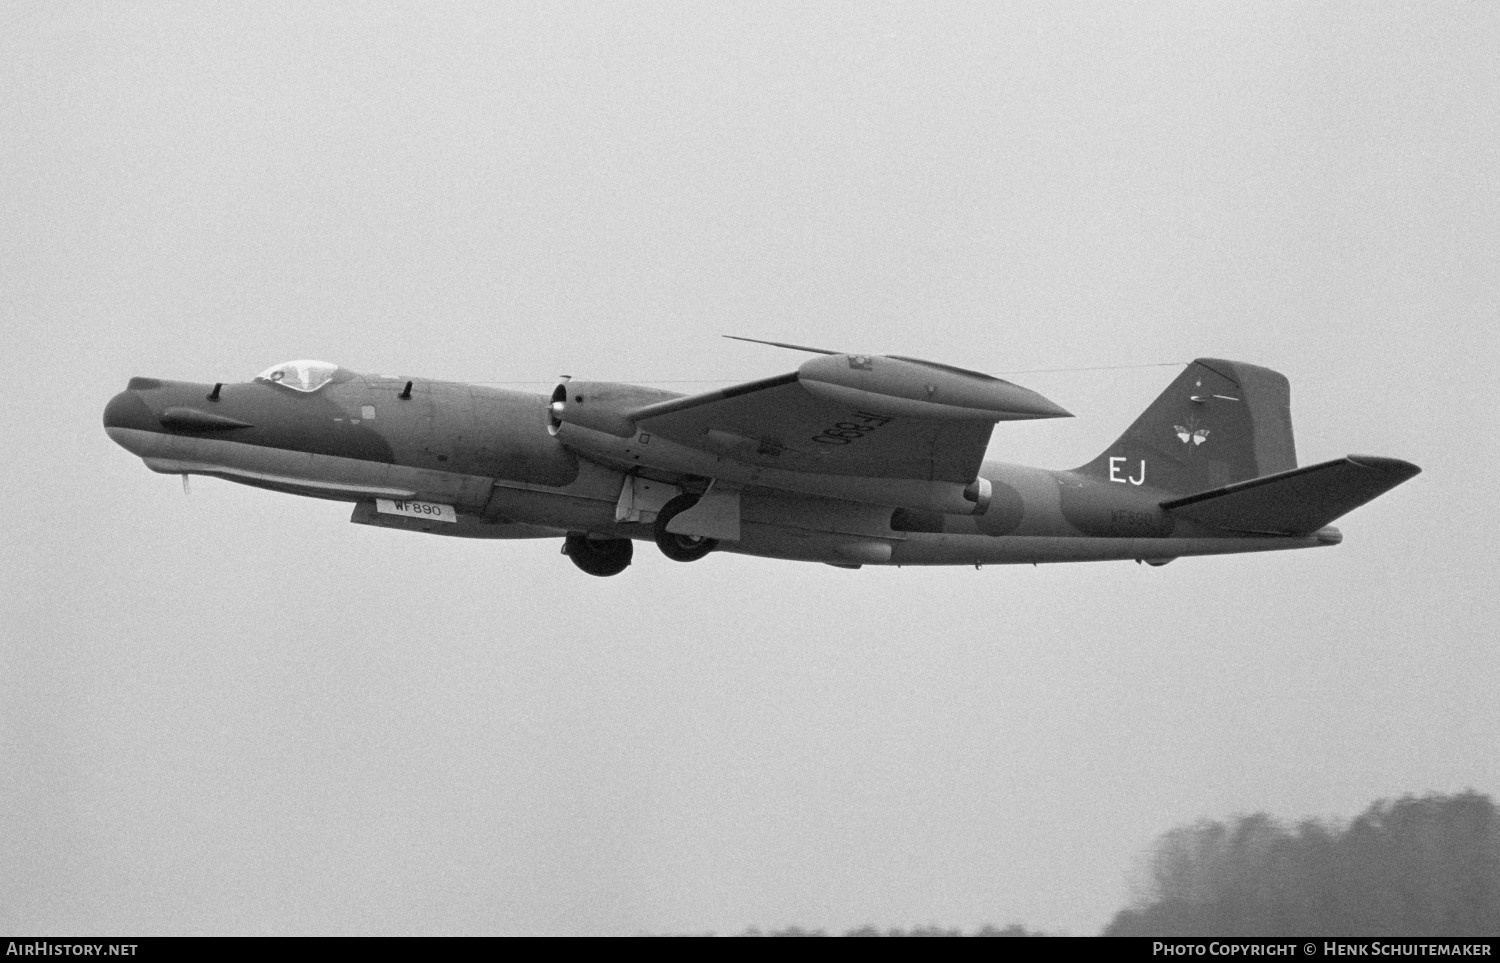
[[1415, 866], [1427, 866]]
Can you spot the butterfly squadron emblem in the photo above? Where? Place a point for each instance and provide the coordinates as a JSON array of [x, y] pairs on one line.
[[1191, 434]]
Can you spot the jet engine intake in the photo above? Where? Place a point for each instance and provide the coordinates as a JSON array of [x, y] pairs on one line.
[[600, 406], [979, 491]]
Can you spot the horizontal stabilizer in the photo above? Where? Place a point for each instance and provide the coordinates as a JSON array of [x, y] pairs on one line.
[[1298, 501]]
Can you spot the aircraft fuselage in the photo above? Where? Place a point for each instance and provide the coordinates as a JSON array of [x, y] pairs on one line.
[[479, 461]]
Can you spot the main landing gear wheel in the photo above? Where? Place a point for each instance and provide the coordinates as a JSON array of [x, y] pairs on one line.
[[680, 548], [599, 556]]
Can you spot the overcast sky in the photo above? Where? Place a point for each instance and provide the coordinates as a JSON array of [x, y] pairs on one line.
[[237, 713]]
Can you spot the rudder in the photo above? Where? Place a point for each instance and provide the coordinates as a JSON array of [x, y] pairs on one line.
[[1218, 423]]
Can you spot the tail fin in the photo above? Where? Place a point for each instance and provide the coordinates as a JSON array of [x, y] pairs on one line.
[[1218, 423]]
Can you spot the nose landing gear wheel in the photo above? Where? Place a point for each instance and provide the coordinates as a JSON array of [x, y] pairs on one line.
[[599, 556], [680, 548]]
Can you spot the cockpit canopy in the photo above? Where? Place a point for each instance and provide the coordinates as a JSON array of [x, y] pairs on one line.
[[300, 375]]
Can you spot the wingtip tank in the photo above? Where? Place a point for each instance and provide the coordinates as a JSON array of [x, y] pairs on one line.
[[909, 386]]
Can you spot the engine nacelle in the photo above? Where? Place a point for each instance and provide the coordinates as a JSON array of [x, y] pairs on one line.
[[599, 405], [643, 451], [590, 418]]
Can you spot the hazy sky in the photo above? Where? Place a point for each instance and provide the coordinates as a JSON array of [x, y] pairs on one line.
[[238, 713]]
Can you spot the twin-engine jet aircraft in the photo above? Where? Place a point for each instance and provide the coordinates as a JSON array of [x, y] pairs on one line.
[[850, 460]]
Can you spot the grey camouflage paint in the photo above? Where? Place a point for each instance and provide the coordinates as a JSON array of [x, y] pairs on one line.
[[489, 452]]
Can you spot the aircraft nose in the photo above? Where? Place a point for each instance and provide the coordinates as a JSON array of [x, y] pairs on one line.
[[127, 410], [130, 422]]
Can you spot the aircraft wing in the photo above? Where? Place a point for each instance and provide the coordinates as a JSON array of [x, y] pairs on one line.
[[872, 416]]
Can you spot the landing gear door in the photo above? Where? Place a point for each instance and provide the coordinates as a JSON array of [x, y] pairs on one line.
[[716, 515], [640, 499]]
